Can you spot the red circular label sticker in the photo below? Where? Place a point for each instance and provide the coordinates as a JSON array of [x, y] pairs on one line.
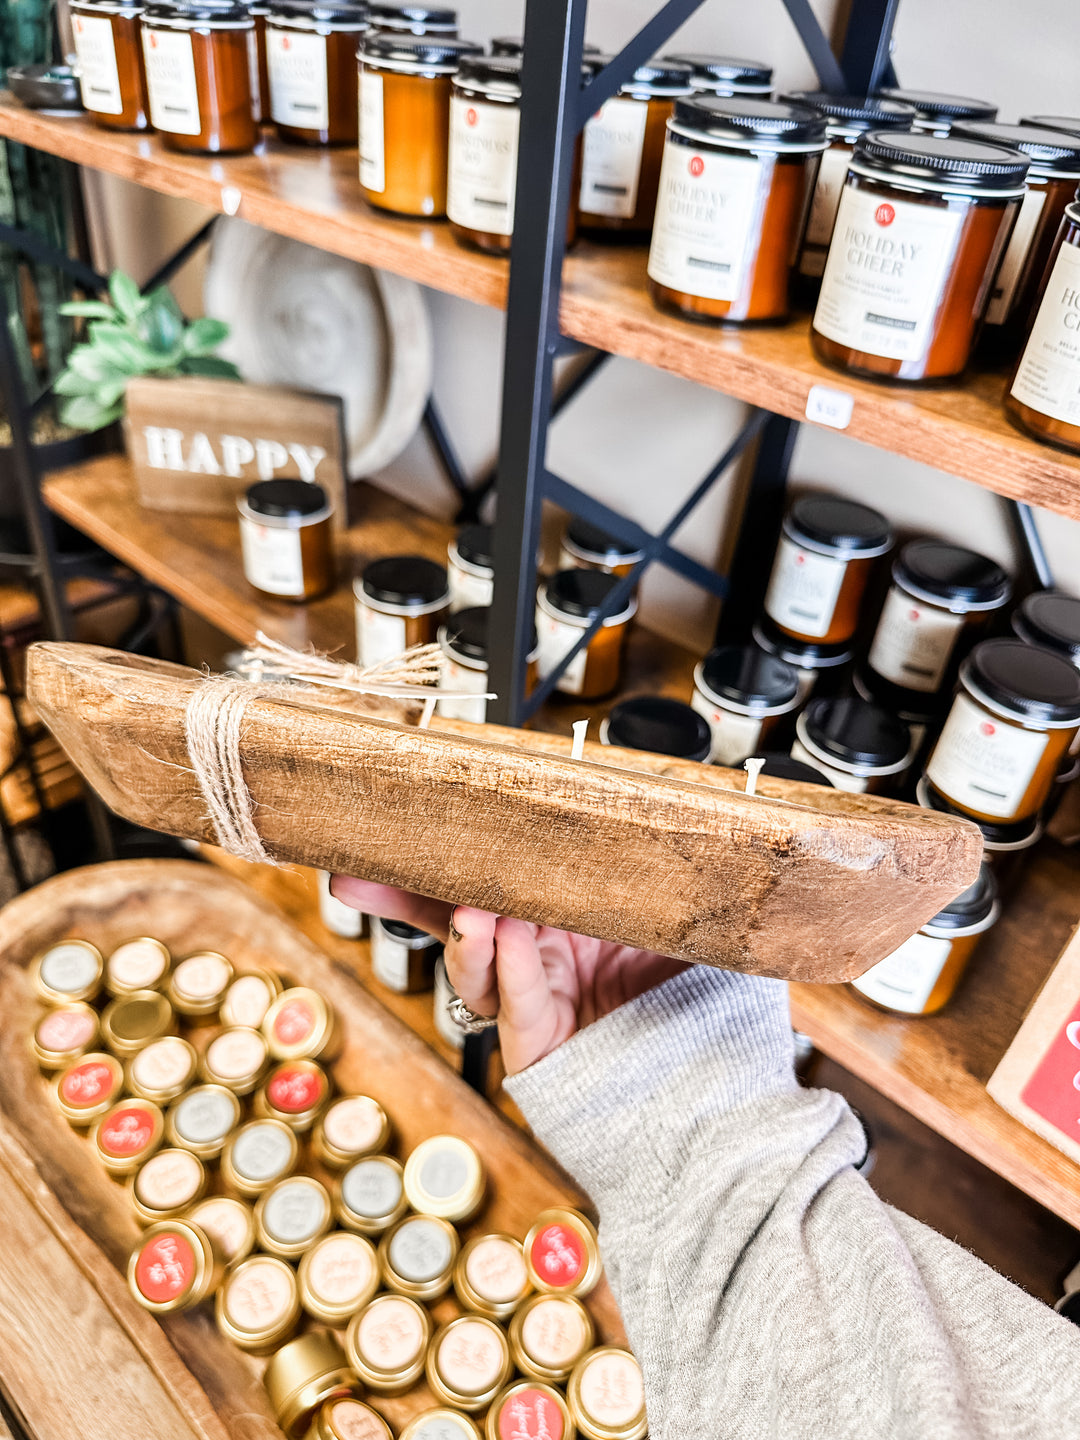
[[165, 1268], [127, 1131], [64, 1030], [986, 728], [87, 1084], [294, 1090], [558, 1256], [884, 214], [294, 1022], [914, 616], [530, 1415], [696, 166], [471, 116]]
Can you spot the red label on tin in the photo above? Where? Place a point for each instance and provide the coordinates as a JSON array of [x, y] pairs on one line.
[[294, 1022], [165, 1268], [696, 166], [558, 1256], [885, 214], [87, 1084], [127, 1131], [1054, 1088], [64, 1030], [530, 1415], [294, 1090]]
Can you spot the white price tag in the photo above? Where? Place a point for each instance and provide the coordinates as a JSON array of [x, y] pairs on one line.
[[825, 406]]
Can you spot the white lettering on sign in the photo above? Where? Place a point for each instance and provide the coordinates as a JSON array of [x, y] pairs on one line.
[[165, 451]]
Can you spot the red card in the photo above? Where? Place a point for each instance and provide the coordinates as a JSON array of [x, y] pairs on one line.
[[1053, 1090]]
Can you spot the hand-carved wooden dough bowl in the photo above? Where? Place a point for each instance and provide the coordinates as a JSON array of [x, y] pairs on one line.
[[798, 881]]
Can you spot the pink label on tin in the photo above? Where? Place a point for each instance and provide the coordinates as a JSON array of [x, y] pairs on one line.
[[353, 1125], [553, 1334], [168, 1180], [201, 976], [391, 1335], [354, 1421], [165, 1268], [294, 1022], [495, 1270], [236, 1054], [87, 1084], [259, 1294], [341, 1269], [226, 1222], [138, 965], [248, 1000], [470, 1358], [164, 1065], [62, 1030], [612, 1392], [126, 1132], [558, 1256], [530, 1415]]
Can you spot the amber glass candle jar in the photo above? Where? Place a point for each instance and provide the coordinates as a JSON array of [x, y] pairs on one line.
[[587, 547], [1014, 717], [112, 74], [403, 957], [198, 76], [922, 975], [822, 669], [658, 725], [1044, 396], [921, 228], [736, 180], [405, 120], [936, 114], [566, 606], [285, 538], [463, 641], [470, 568], [400, 601], [823, 562], [414, 20], [1005, 847], [743, 695], [858, 745], [847, 117], [624, 147], [311, 59], [260, 80], [725, 75]]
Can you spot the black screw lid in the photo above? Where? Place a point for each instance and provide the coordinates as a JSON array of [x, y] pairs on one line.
[[839, 524], [942, 160], [414, 18], [932, 106], [580, 592], [1047, 149], [515, 45], [661, 726], [1069, 123], [1019, 833], [745, 119], [862, 112], [783, 767], [286, 499], [857, 732], [405, 580], [1035, 683], [416, 49], [749, 676], [414, 938], [724, 69], [597, 545], [474, 545], [1051, 619], [328, 10], [970, 907], [491, 69], [209, 10], [466, 631], [664, 73], [803, 654], [951, 573]]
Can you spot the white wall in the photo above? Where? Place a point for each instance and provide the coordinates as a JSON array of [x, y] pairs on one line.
[[641, 439]]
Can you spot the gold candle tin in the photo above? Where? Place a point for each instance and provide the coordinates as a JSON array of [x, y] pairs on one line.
[[349, 1419], [300, 1025], [441, 1424], [490, 1276], [370, 1196], [139, 964], [202, 1120], [163, 1070], [174, 1267], [292, 1215], [230, 1225], [549, 1335], [295, 1092], [562, 1253], [258, 1155], [606, 1396], [70, 970], [127, 1135], [338, 1276], [134, 1021], [166, 1185], [258, 1305], [444, 1177], [417, 1256], [88, 1088], [352, 1127], [468, 1363], [249, 997], [199, 983], [303, 1376], [62, 1035], [237, 1058], [387, 1343], [528, 1408]]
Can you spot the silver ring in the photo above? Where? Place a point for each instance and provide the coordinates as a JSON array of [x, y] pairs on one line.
[[466, 1019]]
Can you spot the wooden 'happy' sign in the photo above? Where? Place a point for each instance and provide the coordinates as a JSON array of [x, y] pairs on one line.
[[197, 444]]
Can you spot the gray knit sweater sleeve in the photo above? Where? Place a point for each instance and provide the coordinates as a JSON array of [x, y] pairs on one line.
[[765, 1288]]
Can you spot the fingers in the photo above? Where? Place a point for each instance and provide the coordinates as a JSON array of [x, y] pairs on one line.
[[432, 916], [470, 959], [532, 1019]]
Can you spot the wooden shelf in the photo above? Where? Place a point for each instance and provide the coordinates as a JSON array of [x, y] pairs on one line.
[[314, 197]]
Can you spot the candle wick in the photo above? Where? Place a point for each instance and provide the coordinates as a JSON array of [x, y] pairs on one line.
[[581, 729], [427, 712], [753, 769]]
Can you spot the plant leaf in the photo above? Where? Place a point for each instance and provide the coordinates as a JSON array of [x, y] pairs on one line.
[[162, 324], [84, 413], [92, 309], [127, 352], [70, 382], [109, 392], [125, 295], [210, 365], [93, 363], [205, 335]]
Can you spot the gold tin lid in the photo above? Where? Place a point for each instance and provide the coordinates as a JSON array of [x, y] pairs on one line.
[[490, 1276], [70, 970], [562, 1253], [338, 1276], [468, 1362], [237, 1058], [163, 1070], [166, 1185], [444, 1177], [174, 1266], [134, 1021], [258, 1305], [139, 964], [370, 1196], [417, 1256], [351, 1127], [229, 1223], [606, 1395], [292, 1215], [349, 1419], [303, 1375], [441, 1424], [528, 1408], [63, 1034], [202, 1120], [301, 1025], [549, 1335], [249, 997], [198, 984], [127, 1135], [87, 1088], [295, 1093], [258, 1155], [387, 1343]]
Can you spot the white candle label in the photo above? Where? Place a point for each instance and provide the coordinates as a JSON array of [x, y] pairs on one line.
[[420, 1251], [707, 217], [297, 66], [885, 274], [340, 1269], [272, 558], [841, 779], [482, 173], [804, 589], [555, 640], [138, 965], [913, 643], [611, 159], [389, 959], [342, 919], [204, 1116], [98, 75], [294, 1212], [468, 590], [982, 763], [458, 677], [253, 74], [165, 1065], [68, 969], [734, 737], [1012, 266], [371, 1188], [171, 86], [1048, 377], [378, 636], [372, 145], [612, 1390], [819, 228], [905, 979]]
